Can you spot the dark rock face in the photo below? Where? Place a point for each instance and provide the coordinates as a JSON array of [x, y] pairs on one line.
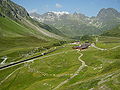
[[109, 18], [35, 14], [1, 15], [109, 12], [12, 10]]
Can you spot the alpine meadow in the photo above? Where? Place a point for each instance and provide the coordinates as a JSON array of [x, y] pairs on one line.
[[59, 45]]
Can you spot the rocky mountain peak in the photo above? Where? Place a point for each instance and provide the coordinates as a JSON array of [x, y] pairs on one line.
[[12, 10], [109, 12], [57, 14], [60, 13], [35, 14]]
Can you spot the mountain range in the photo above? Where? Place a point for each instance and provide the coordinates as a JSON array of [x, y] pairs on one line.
[[78, 24], [53, 25], [19, 31], [13, 15]]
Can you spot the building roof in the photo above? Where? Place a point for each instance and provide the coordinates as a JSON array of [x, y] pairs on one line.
[[83, 46]]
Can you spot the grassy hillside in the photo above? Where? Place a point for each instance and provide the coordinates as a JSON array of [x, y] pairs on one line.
[[14, 31], [21, 38], [49, 28], [115, 32], [20, 35], [17, 13], [10, 28], [16, 39], [68, 69]]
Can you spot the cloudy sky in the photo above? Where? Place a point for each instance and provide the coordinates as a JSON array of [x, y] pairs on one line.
[[87, 7]]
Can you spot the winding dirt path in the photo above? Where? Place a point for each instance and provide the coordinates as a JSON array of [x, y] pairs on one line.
[[115, 47], [98, 47], [4, 60], [104, 48], [75, 74]]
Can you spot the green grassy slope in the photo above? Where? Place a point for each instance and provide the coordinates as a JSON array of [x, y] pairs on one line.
[[18, 14], [49, 28], [10, 28], [102, 70], [13, 34], [19, 34], [18, 40], [115, 32]]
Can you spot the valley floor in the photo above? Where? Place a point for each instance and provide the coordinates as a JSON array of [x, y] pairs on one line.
[[95, 68]]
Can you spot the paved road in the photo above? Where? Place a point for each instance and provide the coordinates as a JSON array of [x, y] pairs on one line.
[[26, 60]]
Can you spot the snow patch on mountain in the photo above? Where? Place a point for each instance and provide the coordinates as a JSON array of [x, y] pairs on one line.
[[60, 13]]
